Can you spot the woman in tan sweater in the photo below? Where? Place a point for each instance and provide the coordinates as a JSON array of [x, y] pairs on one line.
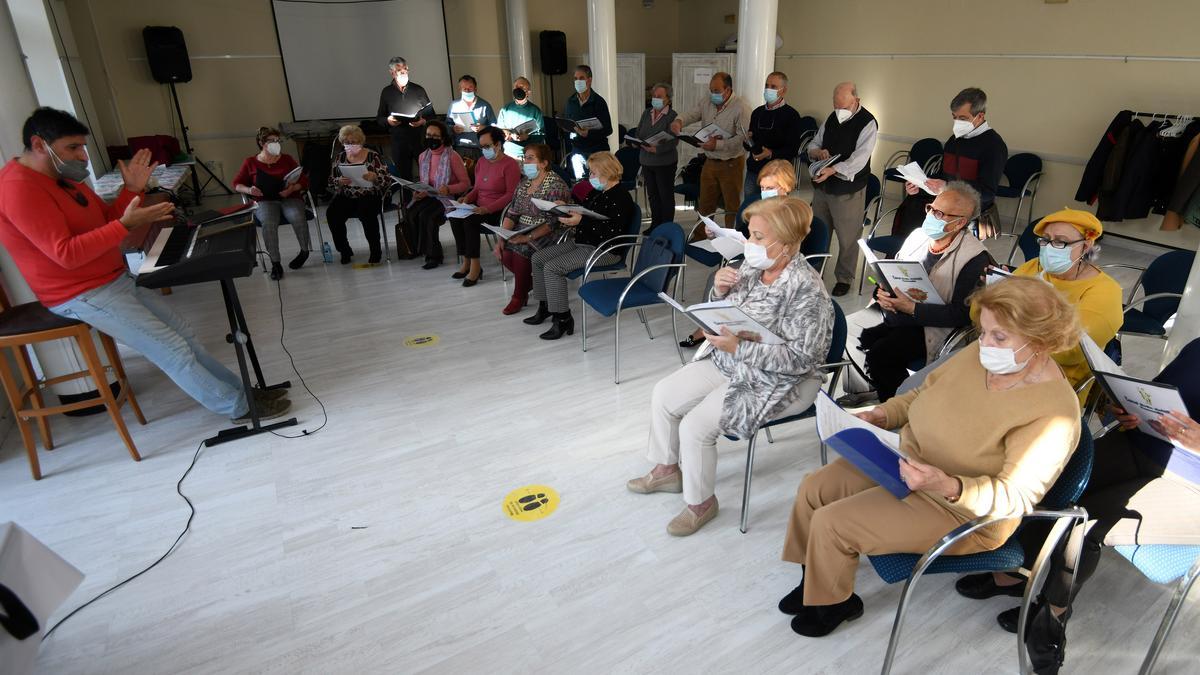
[[999, 460]]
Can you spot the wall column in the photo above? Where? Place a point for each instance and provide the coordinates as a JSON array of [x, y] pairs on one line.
[[602, 52], [756, 23], [520, 59]]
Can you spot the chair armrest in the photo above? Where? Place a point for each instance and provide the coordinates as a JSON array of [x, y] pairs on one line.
[[608, 247], [1085, 384], [1036, 178], [960, 334], [895, 160], [1136, 284], [634, 279], [1152, 296], [1105, 429], [880, 219], [1063, 520]]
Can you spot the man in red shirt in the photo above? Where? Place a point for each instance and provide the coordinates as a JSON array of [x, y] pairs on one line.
[[65, 241]]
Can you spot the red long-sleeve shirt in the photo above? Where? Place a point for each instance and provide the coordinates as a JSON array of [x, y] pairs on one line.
[[282, 167], [62, 248]]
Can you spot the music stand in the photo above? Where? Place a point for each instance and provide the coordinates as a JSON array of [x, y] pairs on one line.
[[195, 160]]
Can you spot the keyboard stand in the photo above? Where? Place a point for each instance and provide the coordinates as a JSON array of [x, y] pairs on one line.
[[240, 337]]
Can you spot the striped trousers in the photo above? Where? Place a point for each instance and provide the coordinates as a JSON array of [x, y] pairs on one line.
[[552, 264]]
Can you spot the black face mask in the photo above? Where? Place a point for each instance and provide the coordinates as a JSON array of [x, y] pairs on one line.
[[433, 143], [519, 94]]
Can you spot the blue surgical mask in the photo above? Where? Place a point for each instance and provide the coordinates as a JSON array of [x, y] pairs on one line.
[[767, 194], [580, 86], [717, 99], [771, 96], [933, 228], [657, 103], [468, 96], [489, 153], [1056, 260], [530, 170], [596, 183]]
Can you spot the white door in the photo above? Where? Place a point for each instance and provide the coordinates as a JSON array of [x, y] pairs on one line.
[[690, 75], [631, 82]]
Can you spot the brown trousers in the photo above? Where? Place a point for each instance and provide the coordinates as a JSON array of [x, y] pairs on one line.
[[722, 179], [840, 514]]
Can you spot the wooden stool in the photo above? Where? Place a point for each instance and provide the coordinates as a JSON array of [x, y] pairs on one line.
[[32, 323]]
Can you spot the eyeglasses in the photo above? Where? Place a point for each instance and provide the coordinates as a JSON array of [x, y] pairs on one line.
[[942, 215], [79, 197], [1056, 243]]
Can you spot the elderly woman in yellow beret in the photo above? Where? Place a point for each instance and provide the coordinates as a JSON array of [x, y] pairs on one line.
[[1067, 251]]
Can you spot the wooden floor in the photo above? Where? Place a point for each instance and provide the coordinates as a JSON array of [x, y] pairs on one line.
[[379, 544]]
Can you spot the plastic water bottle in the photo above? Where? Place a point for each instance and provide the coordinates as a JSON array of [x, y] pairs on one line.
[[326, 252]]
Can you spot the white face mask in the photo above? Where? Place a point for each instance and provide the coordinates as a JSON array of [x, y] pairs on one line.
[[756, 256], [962, 128], [767, 194], [842, 114], [1002, 360], [273, 148], [402, 79]]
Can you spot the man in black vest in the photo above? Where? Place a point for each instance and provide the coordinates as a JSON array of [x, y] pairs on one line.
[[839, 189], [404, 108]]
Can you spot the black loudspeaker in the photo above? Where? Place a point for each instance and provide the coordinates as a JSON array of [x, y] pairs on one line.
[[167, 53], [554, 52]]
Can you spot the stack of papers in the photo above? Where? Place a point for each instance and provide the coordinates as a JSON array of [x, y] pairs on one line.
[[874, 451], [413, 185], [995, 274], [819, 165], [660, 137], [728, 242], [705, 133], [913, 173], [508, 234], [528, 126], [457, 209], [565, 209], [355, 173]]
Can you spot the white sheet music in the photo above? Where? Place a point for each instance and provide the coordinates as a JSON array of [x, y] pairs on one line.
[[913, 173], [832, 418]]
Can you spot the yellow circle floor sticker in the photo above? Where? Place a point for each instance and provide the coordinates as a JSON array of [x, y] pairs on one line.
[[418, 341], [529, 503]]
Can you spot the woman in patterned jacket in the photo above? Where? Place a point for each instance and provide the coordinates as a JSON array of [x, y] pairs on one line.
[[745, 382]]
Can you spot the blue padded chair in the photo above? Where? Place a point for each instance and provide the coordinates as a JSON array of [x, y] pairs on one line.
[[887, 244], [1058, 503], [1024, 172], [815, 247], [630, 166], [654, 272], [833, 364], [1162, 564], [927, 153], [1162, 283], [631, 236]]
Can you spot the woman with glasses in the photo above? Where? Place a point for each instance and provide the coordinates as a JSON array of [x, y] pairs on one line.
[[913, 330], [262, 177], [1067, 251]]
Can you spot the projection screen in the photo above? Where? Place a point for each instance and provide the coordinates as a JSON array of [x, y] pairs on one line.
[[335, 53]]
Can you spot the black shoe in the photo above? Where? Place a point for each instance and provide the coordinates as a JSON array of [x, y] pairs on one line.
[[543, 313], [793, 603], [690, 343], [1046, 640], [347, 257], [375, 258], [430, 264], [840, 289], [298, 261], [983, 586], [857, 399], [564, 324], [276, 271], [459, 275], [822, 620], [469, 282], [1009, 617]]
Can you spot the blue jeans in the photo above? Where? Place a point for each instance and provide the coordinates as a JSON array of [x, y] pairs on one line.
[[140, 319]]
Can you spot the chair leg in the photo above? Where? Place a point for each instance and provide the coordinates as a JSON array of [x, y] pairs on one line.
[[824, 454], [617, 347], [30, 380], [583, 324], [746, 485], [14, 398], [88, 348], [642, 316], [897, 624], [1168, 621], [769, 438], [114, 359]]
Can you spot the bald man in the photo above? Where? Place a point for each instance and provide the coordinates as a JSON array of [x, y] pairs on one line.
[[519, 111], [839, 189], [721, 177]]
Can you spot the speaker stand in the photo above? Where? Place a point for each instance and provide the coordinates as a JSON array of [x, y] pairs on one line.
[[197, 164]]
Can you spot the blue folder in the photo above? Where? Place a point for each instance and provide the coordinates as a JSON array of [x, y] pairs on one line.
[[866, 452]]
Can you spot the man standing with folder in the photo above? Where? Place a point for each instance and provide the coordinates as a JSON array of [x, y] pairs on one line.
[[586, 104], [724, 168], [403, 109], [839, 194]]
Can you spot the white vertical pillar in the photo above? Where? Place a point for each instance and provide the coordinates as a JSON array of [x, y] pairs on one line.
[[1187, 321], [520, 59], [756, 22], [602, 52]]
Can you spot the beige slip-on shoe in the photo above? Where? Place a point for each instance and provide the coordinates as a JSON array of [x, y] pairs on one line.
[[688, 522], [646, 484]]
